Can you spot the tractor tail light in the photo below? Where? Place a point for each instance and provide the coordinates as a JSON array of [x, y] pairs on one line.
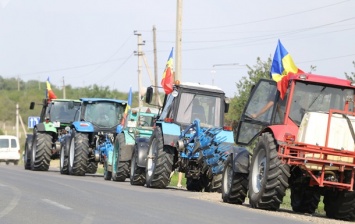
[[289, 137], [227, 128], [169, 120]]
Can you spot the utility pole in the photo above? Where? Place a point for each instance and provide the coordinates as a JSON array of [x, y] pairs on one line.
[[178, 40], [63, 88], [17, 119], [139, 54], [157, 99], [18, 83]]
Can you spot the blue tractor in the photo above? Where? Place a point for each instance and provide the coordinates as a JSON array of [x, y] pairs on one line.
[[93, 136], [190, 136]]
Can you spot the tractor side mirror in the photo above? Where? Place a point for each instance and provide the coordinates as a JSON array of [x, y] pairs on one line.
[[149, 95], [32, 105], [226, 104]]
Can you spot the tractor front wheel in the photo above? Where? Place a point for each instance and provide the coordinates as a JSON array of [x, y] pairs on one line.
[[159, 162], [41, 151], [234, 185], [120, 168], [137, 176], [78, 153]]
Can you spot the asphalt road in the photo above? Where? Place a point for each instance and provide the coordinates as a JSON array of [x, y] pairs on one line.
[[50, 198]]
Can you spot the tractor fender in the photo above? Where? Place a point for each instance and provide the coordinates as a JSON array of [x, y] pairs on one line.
[[47, 127], [226, 135], [171, 133], [241, 160], [126, 153], [83, 126], [142, 146], [66, 144]]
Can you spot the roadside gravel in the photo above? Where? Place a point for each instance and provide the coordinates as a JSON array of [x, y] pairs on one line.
[[284, 212]]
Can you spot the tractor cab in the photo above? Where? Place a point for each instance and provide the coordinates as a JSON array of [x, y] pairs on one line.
[[189, 101], [305, 93], [102, 113]]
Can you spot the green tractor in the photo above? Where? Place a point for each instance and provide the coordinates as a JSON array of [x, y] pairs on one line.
[[45, 143], [137, 130]]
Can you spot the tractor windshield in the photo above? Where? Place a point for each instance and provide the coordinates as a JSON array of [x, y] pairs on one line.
[[315, 97], [62, 111], [104, 114], [205, 108]]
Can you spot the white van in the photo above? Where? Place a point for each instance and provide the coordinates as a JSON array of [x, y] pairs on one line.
[[9, 149]]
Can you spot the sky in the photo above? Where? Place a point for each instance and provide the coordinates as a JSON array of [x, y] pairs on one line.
[[87, 42]]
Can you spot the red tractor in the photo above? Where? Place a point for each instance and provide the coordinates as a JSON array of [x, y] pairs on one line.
[[305, 143]]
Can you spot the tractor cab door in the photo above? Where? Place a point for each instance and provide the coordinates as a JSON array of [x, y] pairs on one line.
[[259, 112]]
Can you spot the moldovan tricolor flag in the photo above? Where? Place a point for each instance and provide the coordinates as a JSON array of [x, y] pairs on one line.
[[168, 75], [49, 92], [282, 68]]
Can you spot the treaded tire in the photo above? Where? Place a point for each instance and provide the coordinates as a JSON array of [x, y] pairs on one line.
[[91, 167], [64, 161], [107, 174], [268, 177], [78, 153], [196, 184], [159, 162], [27, 154], [234, 185], [41, 151], [137, 176], [340, 205], [120, 168], [214, 184], [304, 199]]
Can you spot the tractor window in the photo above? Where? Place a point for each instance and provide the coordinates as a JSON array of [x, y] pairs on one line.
[[311, 97], [61, 111], [259, 111], [205, 108], [104, 114], [263, 95]]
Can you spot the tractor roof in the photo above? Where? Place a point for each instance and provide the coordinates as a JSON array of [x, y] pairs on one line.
[[322, 79], [151, 110], [103, 100], [191, 85], [66, 100]]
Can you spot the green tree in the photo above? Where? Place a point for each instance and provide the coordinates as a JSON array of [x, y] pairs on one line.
[[237, 104], [352, 76]]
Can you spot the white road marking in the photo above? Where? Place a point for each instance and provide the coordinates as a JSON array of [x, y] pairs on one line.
[[56, 204], [13, 203]]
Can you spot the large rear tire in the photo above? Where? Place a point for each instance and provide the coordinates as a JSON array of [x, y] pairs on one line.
[[41, 151], [120, 168], [304, 199], [268, 178], [159, 162], [234, 185], [137, 176], [340, 205], [27, 153], [78, 153]]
